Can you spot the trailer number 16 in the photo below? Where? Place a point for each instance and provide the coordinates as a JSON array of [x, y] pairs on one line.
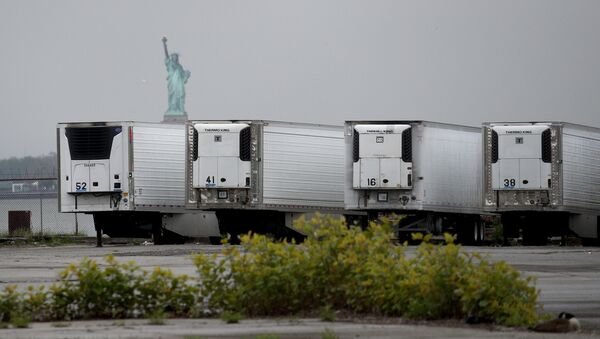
[[509, 183]]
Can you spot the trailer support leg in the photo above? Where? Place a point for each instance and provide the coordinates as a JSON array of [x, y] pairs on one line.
[[98, 237]]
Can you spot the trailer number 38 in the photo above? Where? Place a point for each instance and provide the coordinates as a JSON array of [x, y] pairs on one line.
[[509, 183]]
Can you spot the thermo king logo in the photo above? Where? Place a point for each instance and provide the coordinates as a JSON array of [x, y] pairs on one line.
[[518, 132], [216, 130]]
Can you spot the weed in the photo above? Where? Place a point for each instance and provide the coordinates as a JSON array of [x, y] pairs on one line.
[[156, 318], [27, 237], [119, 322], [329, 334], [61, 324], [231, 317], [267, 336], [3, 325], [294, 319], [326, 313]]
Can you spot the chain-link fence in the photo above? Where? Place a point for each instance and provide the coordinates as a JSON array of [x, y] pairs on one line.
[[32, 204]]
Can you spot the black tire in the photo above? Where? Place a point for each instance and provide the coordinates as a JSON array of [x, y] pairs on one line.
[[157, 237], [534, 236], [470, 232], [215, 240]]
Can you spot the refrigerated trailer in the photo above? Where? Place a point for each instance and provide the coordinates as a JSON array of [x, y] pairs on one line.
[[428, 172], [260, 175], [543, 177], [130, 177]]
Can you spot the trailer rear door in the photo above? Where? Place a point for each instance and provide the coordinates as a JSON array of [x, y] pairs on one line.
[[381, 157], [221, 160], [520, 157]]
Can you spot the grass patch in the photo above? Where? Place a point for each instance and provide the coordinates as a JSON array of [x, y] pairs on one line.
[[23, 237]]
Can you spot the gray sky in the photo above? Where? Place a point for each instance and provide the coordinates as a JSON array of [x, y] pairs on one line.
[[313, 61]]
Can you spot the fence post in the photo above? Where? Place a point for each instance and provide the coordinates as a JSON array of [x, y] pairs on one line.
[[41, 215]]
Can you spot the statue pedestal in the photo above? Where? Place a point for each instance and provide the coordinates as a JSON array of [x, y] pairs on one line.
[[177, 118]]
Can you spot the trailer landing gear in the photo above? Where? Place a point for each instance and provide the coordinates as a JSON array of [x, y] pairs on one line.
[[98, 236]]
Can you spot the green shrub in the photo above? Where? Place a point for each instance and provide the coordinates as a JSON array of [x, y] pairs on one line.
[[20, 320], [346, 268], [10, 300], [337, 268], [119, 290], [497, 291]]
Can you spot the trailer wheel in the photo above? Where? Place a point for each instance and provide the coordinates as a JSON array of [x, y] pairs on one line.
[[534, 232], [215, 240], [157, 236], [533, 235], [469, 232]]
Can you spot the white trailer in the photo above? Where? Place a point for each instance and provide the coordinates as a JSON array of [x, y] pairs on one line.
[[427, 171], [543, 177], [259, 175], [130, 177]]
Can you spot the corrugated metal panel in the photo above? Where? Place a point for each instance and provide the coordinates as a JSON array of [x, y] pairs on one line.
[[449, 161], [581, 169], [303, 166], [159, 163]]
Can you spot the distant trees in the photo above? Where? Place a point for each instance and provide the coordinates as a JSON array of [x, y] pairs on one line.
[[43, 166]]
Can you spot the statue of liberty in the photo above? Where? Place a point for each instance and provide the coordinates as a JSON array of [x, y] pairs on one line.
[[176, 79]]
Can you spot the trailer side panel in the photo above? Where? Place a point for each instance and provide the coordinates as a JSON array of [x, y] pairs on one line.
[[448, 165], [158, 165], [581, 169], [303, 166]]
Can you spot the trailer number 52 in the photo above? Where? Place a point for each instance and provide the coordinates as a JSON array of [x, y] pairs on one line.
[[509, 183], [80, 186]]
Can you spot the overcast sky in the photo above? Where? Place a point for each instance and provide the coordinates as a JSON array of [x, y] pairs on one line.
[[316, 61]]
